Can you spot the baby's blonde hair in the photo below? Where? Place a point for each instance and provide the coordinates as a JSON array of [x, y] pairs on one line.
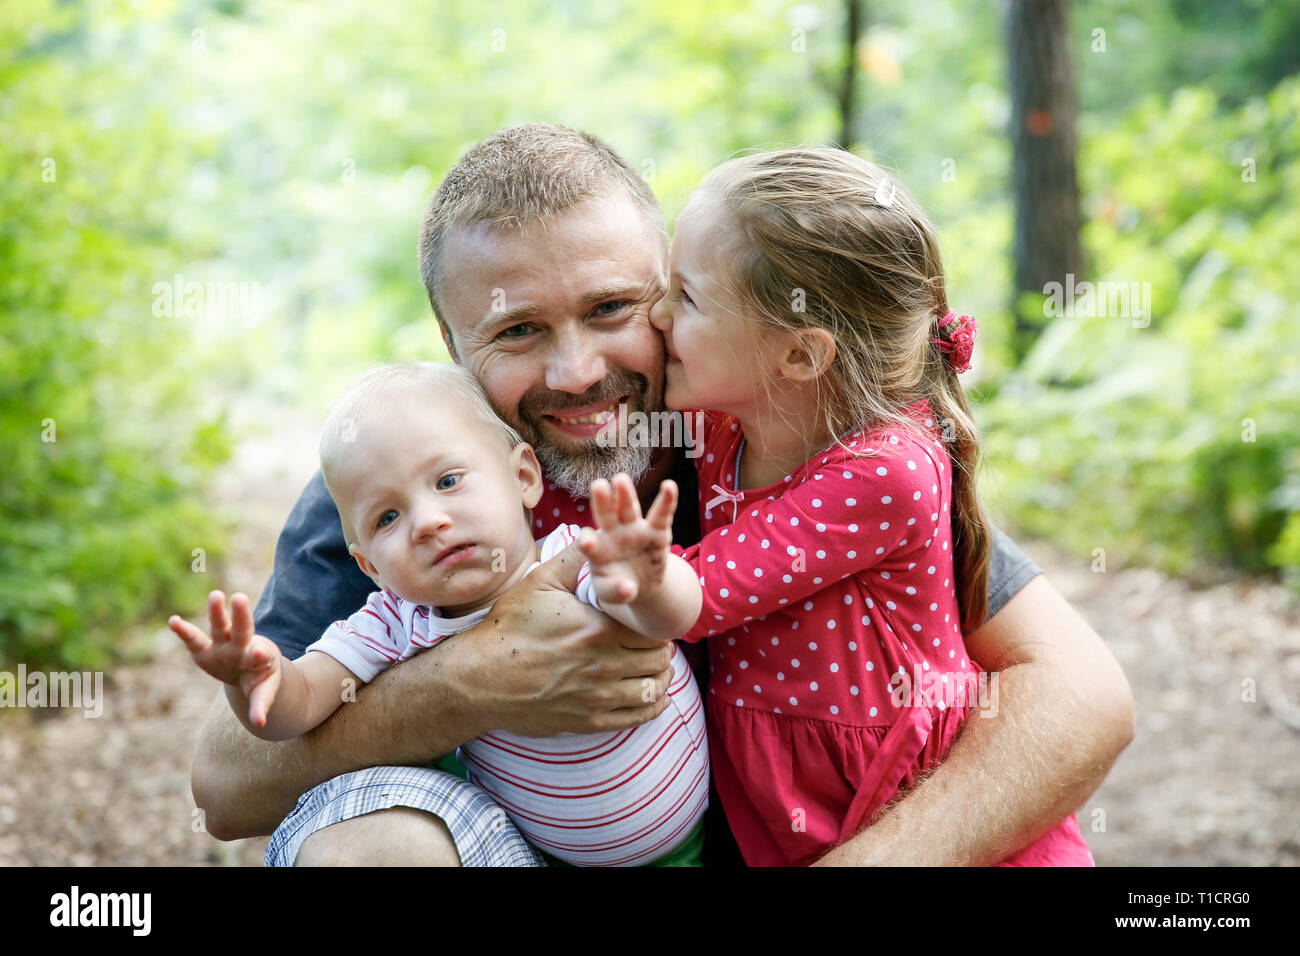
[[367, 395], [825, 239]]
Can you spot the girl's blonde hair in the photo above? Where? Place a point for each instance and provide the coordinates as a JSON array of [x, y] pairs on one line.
[[827, 240]]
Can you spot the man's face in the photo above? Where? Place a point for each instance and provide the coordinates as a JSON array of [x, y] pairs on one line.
[[553, 320]]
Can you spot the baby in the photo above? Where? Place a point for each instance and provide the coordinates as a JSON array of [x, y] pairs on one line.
[[434, 493]]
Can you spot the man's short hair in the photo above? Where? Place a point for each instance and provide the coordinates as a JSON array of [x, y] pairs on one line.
[[367, 394], [521, 175]]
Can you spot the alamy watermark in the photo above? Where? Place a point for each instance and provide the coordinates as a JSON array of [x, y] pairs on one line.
[[84, 690], [208, 300], [655, 430], [1121, 300], [130, 910], [944, 689]]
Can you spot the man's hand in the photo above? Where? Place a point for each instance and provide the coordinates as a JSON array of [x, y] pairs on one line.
[[545, 663], [234, 654], [541, 663]]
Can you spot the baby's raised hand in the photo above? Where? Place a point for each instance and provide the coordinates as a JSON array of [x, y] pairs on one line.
[[628, 552], [234, 654]]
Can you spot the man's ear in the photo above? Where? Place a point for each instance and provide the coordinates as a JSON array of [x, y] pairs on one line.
[[368, 569], [808, 355], [447, 340], [524, 461]]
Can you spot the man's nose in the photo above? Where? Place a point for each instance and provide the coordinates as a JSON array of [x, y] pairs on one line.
[[576, 363], [661, 317]]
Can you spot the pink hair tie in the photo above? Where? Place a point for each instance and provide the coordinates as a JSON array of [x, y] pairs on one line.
[[960, 342]]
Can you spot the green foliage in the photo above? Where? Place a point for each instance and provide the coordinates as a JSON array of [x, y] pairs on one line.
[[102, 456], [1176, 441], [294, 146], [1242, 47]]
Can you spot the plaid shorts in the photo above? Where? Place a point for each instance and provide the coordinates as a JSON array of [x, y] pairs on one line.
[[484, 835]]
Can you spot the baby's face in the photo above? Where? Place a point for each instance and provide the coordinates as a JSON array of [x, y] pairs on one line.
[[435, 500]]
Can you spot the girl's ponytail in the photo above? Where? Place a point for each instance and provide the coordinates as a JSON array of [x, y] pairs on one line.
[[972, 538], [831, 242]]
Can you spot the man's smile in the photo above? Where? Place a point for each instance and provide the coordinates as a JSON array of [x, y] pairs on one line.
[[598, 413], [587, 421]]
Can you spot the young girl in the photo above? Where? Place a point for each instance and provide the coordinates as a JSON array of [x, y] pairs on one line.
[[845, 549]]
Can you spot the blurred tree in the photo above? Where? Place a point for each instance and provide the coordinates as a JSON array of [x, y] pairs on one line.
[[1042, 130], [848, 83], [1173, 435], [1130, 49]]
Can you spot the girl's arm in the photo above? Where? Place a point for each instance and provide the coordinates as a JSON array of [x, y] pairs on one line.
[[853, 515], [668, 613], [637, 580]]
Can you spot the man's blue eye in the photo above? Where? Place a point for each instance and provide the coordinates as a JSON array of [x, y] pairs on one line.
[[615, 307], [505, 334], [384, 520], [443, 482]]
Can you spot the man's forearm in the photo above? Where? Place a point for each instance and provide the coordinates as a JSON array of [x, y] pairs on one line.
[[409, 715], [1007, 780], [542, 663], [1064, 714]]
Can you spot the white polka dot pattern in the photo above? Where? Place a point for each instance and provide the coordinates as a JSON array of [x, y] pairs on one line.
[[818, 549]]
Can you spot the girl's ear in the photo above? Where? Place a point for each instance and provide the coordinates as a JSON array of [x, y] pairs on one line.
[[808, 355], [524, 461], [368, 569]]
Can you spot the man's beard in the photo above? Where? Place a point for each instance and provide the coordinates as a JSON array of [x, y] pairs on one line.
[[573, 467]]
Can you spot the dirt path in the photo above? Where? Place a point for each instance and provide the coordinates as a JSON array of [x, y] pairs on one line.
[[1212, 779], [1213, 776], [116, 790]]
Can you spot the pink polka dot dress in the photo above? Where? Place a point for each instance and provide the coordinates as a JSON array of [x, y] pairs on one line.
[[818, 590]]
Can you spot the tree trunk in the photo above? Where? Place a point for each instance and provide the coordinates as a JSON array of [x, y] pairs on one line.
[[852, 30], [1042, 132]]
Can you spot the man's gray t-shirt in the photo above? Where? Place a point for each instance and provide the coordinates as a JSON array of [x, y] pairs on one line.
[[1010, 569], [316, 582]]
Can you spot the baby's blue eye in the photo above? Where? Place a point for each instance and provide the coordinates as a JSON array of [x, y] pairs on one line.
[[686, 297], [385, 520], [443, 482]]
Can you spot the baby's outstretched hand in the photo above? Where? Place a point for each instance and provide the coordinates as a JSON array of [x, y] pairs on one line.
[[234, 654], [628, 552]]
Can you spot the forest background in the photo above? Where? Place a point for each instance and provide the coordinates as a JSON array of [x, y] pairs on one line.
[[278, 157]]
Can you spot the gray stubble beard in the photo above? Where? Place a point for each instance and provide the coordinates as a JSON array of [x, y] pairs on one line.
[[574, 471]]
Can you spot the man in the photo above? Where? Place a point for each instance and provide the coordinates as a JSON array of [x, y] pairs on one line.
[[542, 254]]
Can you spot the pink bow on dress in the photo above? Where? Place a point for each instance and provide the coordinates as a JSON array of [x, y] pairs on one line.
[[735, 497]]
